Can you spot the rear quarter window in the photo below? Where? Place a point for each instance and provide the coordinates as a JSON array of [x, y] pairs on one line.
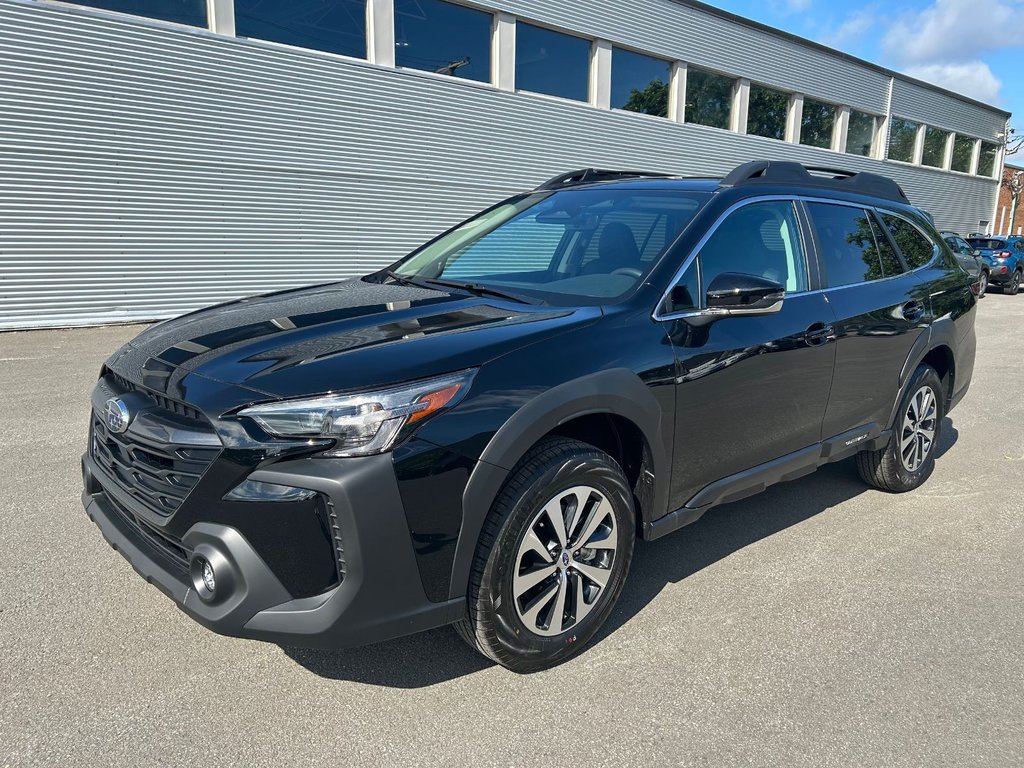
[[917, 249]]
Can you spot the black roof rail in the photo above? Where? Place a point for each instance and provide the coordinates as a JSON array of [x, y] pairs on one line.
[[591, 175], [783, 172]]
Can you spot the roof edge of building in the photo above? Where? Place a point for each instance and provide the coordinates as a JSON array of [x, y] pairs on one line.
[[737, 19]]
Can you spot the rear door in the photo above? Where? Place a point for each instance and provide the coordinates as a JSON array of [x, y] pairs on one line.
[[880, 308]]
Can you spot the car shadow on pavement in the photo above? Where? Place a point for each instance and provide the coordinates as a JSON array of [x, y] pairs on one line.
[[440, 655]]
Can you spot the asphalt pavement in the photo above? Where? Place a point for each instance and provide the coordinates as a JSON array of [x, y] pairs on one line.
[[818, 624]]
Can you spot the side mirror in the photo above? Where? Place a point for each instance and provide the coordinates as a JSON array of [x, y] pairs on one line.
[[733, 293], [975, 253]]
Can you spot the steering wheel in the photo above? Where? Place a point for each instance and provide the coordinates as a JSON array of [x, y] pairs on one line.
[[628, 271]]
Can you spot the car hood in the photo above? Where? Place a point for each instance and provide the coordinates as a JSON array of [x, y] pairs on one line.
[[343, 336]]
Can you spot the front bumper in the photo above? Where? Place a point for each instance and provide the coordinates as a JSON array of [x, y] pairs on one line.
[[380, 597]]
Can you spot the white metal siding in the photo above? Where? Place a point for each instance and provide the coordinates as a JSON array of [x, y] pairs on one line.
[[933, 107], [703, 39], [146, 171]]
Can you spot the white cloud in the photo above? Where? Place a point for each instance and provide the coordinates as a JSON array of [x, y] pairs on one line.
[[943, 43], [955, 30], [971, 78], [798, 6]]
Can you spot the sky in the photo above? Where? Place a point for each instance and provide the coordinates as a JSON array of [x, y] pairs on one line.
[[972, 47]]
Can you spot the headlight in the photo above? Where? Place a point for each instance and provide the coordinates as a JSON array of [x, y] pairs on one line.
[[363, 423]]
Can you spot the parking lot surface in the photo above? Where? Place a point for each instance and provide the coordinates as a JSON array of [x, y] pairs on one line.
[[820, 623]]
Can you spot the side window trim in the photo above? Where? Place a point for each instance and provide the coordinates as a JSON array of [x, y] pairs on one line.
[[816, 274]]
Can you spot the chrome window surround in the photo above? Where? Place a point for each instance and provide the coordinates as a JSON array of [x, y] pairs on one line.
[[657, 314]]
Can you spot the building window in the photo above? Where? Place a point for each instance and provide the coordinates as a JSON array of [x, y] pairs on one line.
[[860, 133], [708, 98], [437, 36], [335, 26], [934, 154], [987, 159], [191, 12], [640, 83], [902, 140], [552, 62], [963, 153], [817, 124], [767, 112]]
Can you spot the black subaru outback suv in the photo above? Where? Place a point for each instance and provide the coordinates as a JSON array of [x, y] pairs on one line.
[[478, 434]]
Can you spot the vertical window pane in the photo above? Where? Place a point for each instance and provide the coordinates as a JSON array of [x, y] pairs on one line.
[[761, 239], [767, 112], [902, 137], [886, 253], [963, 151], [917, 250], [441, 37], [849, 251], [708, 98], [934, 147], [336, 26], [640, 83], [817, 124], [987, 159], [192, 12], [860, 135], [552, 62]]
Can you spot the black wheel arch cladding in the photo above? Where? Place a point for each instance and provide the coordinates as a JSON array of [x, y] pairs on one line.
[[617, 392]]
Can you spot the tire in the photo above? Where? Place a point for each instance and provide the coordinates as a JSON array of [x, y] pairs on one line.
[[889, 468], [983, 283], [1013, 287], [514, 623]]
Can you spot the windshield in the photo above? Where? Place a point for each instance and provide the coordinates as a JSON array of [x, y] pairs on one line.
[[987, 245], [572, 246]]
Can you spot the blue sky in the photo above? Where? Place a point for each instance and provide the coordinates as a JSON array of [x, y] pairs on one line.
[[969, 46]]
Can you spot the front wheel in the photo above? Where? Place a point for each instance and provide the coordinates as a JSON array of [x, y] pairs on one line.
[[552, 558], [1013, 287], [909, 458], [982, 283]]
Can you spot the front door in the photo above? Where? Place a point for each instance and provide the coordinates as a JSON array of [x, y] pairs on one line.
[[750, 389]]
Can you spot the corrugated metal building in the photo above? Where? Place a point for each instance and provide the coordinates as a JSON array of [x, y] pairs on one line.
[[149, 167]]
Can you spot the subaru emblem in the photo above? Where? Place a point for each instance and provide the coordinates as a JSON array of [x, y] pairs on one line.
[[117, 415]]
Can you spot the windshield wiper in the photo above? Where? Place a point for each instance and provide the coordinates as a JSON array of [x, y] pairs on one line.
[[403, 279], [481, 290]]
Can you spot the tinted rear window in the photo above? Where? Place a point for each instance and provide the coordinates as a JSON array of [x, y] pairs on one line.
[[848, 246], [987, 245]]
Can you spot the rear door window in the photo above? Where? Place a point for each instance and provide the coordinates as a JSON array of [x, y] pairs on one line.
[[917, 249], [849, 244]]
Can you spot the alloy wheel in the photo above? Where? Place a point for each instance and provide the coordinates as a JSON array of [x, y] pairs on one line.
[[917, 435], [564, 562]]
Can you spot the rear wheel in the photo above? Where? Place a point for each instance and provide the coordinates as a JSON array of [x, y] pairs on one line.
[[982, 283], [553, 557], [1013, 287], [909, 459]]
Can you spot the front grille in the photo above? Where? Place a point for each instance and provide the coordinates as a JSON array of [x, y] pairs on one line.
[[157, 474], [174, 552]]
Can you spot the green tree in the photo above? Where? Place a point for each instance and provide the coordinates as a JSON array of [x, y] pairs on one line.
[[652, 100]]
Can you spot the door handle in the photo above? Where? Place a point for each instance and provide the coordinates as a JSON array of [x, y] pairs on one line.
[[913, 311], [819, 334]]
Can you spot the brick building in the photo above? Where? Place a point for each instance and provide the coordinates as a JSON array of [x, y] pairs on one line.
[[1004, 209]]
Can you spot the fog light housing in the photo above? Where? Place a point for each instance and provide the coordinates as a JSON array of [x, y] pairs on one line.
[[204, 578], [209, 580]]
